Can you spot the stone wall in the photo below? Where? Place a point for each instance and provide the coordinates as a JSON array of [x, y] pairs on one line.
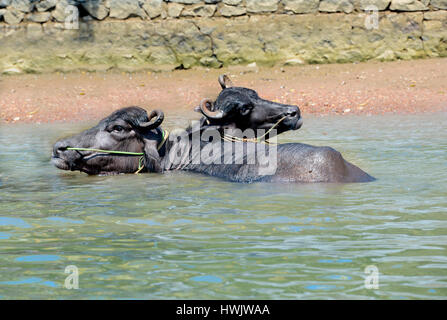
[[50, 35]]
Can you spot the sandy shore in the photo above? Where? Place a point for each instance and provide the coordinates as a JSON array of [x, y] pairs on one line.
[[364, 88]]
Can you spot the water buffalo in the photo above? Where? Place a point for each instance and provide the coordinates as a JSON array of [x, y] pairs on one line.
[[242, 108], [127, 130]]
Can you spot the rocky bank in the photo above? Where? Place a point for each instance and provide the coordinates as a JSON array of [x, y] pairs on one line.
[[62, 35]]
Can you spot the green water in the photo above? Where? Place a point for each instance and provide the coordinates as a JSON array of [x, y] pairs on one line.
[[188, 236]]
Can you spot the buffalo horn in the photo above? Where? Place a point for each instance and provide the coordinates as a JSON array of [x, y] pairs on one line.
[[205, 108], [155, 123], [225, 81]]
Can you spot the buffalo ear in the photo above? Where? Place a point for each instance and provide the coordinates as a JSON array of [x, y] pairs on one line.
[[225, 81], [152, 158]]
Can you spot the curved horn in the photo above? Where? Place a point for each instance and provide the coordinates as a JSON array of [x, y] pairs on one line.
[[225, 81], [153, 124], [206, 110]]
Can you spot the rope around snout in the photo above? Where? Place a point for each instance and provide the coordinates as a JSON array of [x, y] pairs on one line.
[[229, 138], [165, 135]]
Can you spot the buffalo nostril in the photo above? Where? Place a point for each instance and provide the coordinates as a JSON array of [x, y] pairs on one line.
[[60, 147]]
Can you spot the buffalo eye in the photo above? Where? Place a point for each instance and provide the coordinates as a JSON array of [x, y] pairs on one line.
[[245, 109], [118, 129]]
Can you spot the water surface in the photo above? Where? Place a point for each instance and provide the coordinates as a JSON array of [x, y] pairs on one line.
[[188, 236]]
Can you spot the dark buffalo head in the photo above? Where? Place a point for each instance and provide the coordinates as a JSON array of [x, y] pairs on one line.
[[128, 129], [242, 108]]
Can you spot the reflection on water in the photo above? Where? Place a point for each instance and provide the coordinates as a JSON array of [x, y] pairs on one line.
[[181, 235]]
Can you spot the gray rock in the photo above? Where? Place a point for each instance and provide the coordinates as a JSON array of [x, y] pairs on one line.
[[13, 16], [2, 12], [153, 8], [232, 11], [345, 6], [46, 5], [408, 5], [12, 71], [387, 55], [175, 9], [39, 17], [186, 1], [435, 15], [258, 6], [200, 10], [210, 62], [232, 2], [439, 4], [96, 8], [123, 9], [294, 62], [301, 6], [23, 5], [364, 4], [4, 3]]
